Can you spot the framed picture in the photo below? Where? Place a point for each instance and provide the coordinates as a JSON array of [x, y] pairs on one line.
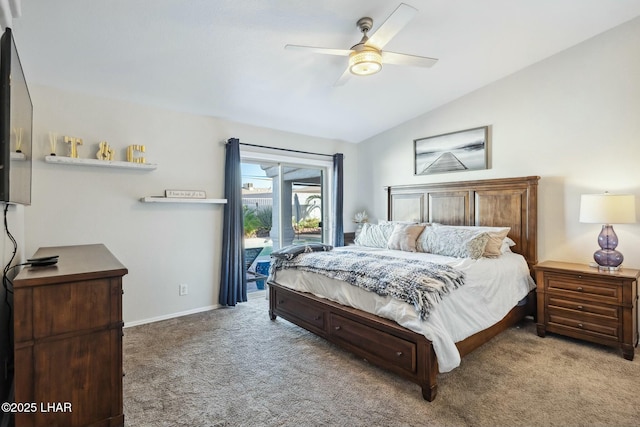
[[451, 152]]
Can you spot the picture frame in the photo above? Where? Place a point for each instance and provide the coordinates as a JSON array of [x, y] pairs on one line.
[[459, 151]]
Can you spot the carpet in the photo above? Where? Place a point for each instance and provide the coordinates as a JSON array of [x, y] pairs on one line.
[[236, 367]]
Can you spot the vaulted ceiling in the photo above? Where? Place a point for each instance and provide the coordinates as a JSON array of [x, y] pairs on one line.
[[226, 58]]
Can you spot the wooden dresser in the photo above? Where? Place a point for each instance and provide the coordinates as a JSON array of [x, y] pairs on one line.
[[68, 339], [583, 302]]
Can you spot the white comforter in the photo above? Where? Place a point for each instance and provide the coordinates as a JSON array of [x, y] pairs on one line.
[[492, 288]]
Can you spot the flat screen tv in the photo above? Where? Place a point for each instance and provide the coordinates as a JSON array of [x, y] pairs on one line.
[[16, 126]]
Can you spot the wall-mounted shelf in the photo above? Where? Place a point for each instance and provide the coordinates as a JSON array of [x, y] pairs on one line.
[[18, 156], [160, 199], [100, 163]]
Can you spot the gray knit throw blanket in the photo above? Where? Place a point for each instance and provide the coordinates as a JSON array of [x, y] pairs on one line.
[[419, 283]]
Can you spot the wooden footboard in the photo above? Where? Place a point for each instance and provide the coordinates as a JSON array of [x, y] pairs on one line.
[[382, 342]]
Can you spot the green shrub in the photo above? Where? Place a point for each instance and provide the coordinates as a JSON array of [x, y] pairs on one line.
[[250, 222], [309, 223], [257, 222]]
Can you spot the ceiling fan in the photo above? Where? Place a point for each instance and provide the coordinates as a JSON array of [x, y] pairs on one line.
[[366, 57]]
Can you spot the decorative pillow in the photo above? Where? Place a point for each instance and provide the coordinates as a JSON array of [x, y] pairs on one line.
[[456, 242], [506, 245], [374, 235], [386, 221], [404, 236], [292, 251], [422, 244], [496, 237]]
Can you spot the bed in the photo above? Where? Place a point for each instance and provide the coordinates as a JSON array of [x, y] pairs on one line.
[[405, 350]]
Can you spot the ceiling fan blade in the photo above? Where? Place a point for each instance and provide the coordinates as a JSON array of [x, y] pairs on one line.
[[343, 78], [323, 50], [405, 59], [392, 26]]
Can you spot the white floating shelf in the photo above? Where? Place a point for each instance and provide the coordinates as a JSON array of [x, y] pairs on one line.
[[160, 199], [101, 163], [18, 156]]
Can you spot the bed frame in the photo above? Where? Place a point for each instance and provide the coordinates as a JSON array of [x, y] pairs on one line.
[[508, 202]]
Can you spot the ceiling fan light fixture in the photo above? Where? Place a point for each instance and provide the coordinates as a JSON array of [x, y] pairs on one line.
[[365, 62]]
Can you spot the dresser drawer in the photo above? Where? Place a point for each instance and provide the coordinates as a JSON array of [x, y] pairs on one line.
[[376, 344], [582, 309], [576, 285], [72, 307]]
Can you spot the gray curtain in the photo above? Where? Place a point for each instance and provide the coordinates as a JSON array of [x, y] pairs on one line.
[[338, 236], [233, 279]]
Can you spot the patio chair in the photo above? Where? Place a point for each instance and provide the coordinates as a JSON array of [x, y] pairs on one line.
[[250, 255]]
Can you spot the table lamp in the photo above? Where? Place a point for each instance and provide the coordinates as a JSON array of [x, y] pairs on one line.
[[608, 209]]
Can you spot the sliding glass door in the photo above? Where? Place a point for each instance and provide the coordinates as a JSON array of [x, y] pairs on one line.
[[283, 204]]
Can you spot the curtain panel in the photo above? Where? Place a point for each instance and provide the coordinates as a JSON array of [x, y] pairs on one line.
[[233, 280], [338, 183]]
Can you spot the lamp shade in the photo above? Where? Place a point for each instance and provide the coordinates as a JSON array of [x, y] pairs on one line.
[[365, 62], [608, 208]]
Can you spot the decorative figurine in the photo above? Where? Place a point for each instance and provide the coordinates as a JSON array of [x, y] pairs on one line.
[[360, 218], [105, 152], [130, 152], [73, 147]]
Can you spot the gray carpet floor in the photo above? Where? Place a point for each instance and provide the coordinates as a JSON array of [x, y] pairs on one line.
[[236, 367]]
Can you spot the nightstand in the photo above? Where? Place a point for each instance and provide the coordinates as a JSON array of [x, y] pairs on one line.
[[583, 302]]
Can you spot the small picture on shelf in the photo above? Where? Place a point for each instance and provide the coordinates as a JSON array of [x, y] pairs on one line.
[[185, 194]]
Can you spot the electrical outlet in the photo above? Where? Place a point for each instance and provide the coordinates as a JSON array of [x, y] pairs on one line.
[[182, 289]]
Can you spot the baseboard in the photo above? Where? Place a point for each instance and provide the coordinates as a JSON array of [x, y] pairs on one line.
[[171, 316]]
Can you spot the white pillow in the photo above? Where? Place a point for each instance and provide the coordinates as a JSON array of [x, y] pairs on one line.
[[506, 245], [374, 235], [386, 221]]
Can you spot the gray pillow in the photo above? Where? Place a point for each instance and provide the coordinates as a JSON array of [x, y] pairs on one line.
[[496, 237], [453, 241]]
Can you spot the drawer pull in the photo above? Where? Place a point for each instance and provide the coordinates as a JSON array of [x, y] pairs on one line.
[[399, 353], [580, 289], [317, 318], [580, 307], [337, 328], [281, 301], [579, 276], [580, 325]]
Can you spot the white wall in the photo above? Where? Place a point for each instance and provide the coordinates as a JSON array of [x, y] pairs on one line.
[[162, 245], [572, 119]]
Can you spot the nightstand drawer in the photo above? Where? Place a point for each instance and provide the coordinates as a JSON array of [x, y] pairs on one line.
[[579, 307], [582, 326], [575, 285], [585, 303]]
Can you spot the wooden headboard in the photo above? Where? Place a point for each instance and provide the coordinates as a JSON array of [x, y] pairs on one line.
[[504, 202]]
